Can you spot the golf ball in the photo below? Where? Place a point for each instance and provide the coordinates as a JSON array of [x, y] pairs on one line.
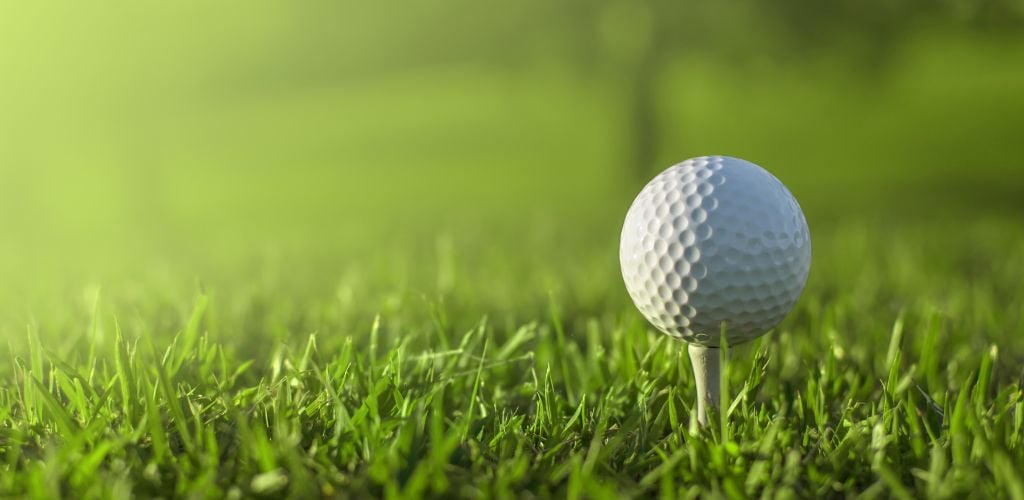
[[711, 242]]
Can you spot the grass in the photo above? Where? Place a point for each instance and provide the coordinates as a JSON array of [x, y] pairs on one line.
[[898, 375]]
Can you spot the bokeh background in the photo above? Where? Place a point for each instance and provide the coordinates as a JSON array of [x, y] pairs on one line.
[[373, 152]]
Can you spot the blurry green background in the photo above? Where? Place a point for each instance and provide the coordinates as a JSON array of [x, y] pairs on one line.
[[431, 147], [431, 194]]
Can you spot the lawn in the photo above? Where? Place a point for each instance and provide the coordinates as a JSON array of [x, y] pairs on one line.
[[898, 374]]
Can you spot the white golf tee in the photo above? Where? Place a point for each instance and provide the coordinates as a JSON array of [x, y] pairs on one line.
[[706, 363]]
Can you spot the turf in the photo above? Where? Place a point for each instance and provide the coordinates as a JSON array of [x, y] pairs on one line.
[[898, 375]]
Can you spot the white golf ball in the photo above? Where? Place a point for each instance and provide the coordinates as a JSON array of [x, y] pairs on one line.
[[711, 241]]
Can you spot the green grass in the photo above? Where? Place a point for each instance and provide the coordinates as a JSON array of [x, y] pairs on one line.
[[898, 375]]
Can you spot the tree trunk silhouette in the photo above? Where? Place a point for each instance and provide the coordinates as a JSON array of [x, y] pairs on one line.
[[643, 118]]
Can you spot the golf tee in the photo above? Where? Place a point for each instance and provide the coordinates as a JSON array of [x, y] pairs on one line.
[[706, 363]]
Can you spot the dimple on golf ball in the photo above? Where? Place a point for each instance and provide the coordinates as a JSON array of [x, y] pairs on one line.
[[711, 242]]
